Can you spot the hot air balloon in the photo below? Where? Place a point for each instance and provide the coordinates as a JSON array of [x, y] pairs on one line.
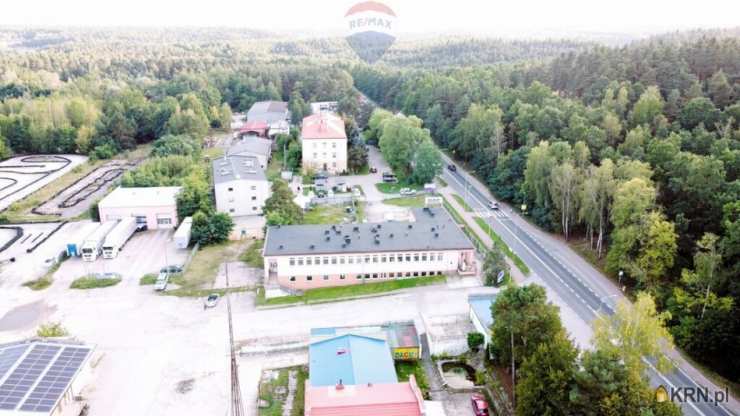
[[371, 27]]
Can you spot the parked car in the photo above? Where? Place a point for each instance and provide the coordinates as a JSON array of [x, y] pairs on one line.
[[480, 405], [171, 269], [408, 192], [356, 192], [452, 168], [389, 177], [107, 275], [373, 170], [493, 204], [162, 280], [211, 301]]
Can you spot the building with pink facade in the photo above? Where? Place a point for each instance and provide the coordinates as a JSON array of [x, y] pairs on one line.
[[156, 206], [301, 257]]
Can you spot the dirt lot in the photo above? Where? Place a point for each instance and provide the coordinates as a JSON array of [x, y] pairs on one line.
[[20, 176]]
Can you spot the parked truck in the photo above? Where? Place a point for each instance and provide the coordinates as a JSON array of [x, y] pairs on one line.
[[93, 244], [182, 235], [73, 246], [118, 236]]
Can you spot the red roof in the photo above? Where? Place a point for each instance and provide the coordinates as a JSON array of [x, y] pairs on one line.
[[254, 125], [392, 399], [323, 126]]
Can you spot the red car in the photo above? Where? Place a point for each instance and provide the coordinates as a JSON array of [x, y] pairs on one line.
[[480, 405]]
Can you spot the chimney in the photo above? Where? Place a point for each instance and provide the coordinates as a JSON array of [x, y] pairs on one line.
[[340, 386]]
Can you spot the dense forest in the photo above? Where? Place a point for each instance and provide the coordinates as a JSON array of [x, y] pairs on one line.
[[635, 150]]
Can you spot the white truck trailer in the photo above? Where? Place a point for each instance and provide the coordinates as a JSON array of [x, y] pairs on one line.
[[118, 236], [94, 242], [73, 245], [182, 235]]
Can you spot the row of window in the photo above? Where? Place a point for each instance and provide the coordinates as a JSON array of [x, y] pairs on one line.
[[233, 210], [253, 187], [333, 145], [253, 198], [391, 275], [366, 259], [316, 155]]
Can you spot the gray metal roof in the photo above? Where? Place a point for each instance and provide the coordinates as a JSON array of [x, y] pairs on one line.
[[231, 168], [251, 146], [269, 111], [433, 229]]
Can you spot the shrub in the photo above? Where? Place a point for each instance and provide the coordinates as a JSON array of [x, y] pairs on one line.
[[51, 330], [92, 282], [475, 340]]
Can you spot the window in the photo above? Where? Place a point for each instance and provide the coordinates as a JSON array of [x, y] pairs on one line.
[[334, 145], [292, 278], [408, 257], [367, 276], [423, 256], [315, 155], [375, 275], [231, 210], [423, 273], [439, 256], [416, 274], [342, 276], [383, 258], [334, 155], [408, 274], [254, 198], [392, 274], [359, 276], [326, 277], [300, 261], [254, 187], [341, 260], [334, 260], [231, 199], [350, 259], [334, 164], [367, 259], [326, 260], [317, 261], [309, 278], [291, 261], [375, 259], [391, 258], [231, 189], [416, 256], [164, 221]]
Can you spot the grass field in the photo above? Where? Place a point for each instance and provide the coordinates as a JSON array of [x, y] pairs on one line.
[[324, 214], [410, 202], [362, 289], [462, 203], [92, 282], [148, 279], [201, 273], [394, 188], [404, 369], [253, 255]]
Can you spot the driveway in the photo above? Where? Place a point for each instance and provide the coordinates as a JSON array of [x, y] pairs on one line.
[[367, 182]]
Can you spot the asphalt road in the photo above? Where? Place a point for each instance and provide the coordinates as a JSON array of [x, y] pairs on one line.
[[586, 297]]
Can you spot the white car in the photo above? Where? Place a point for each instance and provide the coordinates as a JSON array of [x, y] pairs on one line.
[[493, 205], [211, 301], [408, 192], [162, 280]]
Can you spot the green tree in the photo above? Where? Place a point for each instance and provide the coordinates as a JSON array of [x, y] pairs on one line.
[[493, 263], [211, 228], [427, 163], [399, 140], [475, 340], [596, 196], [564, 184], [699, 111], [720, 89], [633, 332], [280, 208], [188, 122], [657, 248], [176, 145], [649, 106], [546, 379]]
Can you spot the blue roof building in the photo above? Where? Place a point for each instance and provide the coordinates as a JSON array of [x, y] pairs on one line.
[[353, 359], [481, 315]]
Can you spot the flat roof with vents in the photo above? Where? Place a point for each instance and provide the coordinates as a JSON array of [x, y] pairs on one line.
[[236, 167], [433, 229], [35, 375]]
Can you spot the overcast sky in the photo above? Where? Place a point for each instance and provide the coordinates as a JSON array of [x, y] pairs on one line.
[[492, 17]]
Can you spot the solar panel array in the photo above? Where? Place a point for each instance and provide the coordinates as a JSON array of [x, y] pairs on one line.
[[40, 378]]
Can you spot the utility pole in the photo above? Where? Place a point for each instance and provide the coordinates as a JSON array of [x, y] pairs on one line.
[[237, 407], [513, 369]]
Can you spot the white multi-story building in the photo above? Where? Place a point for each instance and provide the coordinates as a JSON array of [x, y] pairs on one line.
[[311, 256], [240, 185], [324, 143]]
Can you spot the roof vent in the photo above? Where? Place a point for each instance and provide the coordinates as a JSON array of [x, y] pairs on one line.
[[411, 226], [433, 229], [312, 246], [328, 238], [347, 241], [356, 229], [344, 245], [436, 235], [326, 232], [391, 235], [280, 247], [380, 226]]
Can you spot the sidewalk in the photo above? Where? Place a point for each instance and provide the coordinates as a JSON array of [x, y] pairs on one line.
[[469, 218]]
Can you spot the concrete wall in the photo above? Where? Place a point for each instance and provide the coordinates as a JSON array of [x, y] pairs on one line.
[[242, 197], [329, 152], [480, 328], [153, 215], [338, 271]]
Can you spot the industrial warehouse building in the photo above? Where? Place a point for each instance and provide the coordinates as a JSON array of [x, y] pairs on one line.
[[156, 207], [324, 143], [240, 185], [273, 116], [301, 257], [39, 377]]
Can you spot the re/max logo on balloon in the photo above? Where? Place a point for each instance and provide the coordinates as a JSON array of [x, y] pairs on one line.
[[370, 29]]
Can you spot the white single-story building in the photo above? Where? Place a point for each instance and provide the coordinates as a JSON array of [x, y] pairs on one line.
[[155, 206], [240, 185], [324, 107], [301, 257], [44, 378], [481, 315]]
